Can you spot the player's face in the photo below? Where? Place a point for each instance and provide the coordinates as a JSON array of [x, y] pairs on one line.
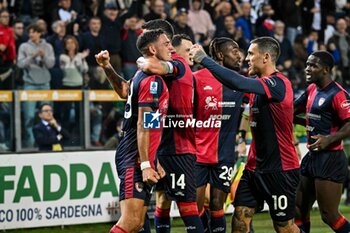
[[232, 57], [255, 60], [163, 48], [184, 50], [314, 71]]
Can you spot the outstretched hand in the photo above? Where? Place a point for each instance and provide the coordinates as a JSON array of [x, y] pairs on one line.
[[198, 53], [103, 58]]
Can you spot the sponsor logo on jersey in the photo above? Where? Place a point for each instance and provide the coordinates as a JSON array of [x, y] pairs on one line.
[[280, 214], [220, 117], [345, 104], [206, 88], [314, 116], [227, 104], [211, 102], [179, 193], [271, 82]]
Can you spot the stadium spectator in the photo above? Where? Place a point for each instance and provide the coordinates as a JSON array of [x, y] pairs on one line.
[[324, 167], [157, 11], [64, 12], [230, 31], [271, 173], [7, 51], [330, 28], [289, 12], [112, 25], [42, 23], [244, 22], [5, 121], [312, 41], [113, 142], [36, 57], [180, 24], [130, 53], [200, 22], [19, 33], [92, 40], [99, 111], [341, 41], [73, 64], [286, 58], [28, 11], [300, 53], [222, 9], [48, 134], [74, 67], [287, 54], [56, 40], [20, 38], [136, 152], [342, 8], [264, 25], [314, 13]]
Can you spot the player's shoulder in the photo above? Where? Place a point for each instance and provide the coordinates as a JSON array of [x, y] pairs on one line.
[[201, 73]]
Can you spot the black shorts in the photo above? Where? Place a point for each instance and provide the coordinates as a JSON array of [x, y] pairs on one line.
[[130, 175], [160, 185], [180, 184], [325, 165], [278, 189], [132, 186], [218, 175]]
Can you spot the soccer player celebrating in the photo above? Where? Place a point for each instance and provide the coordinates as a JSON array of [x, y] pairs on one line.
[[272, 170], [136, 151], [324, 168], [216, 146], [176, 153]]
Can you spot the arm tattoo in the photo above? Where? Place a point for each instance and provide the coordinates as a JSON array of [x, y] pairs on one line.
[[165, 67], [113, 77]]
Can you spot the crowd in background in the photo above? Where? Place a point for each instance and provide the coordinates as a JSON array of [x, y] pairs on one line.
[[50, 44]]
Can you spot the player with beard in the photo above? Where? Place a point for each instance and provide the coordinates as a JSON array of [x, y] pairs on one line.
[[272, 170], [136, 152], [177, 151]]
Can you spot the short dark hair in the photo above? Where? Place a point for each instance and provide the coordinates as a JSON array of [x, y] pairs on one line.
[[160, 24], [326, 58], [219, 44], [177, 39], [43, 105], [35, 28], [146, 38], [269, 45]]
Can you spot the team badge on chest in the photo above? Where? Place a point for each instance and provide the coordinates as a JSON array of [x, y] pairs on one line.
[[321, 101]]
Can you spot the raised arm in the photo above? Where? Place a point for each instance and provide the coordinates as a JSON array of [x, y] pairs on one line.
[[228, 77], [120, 85]]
